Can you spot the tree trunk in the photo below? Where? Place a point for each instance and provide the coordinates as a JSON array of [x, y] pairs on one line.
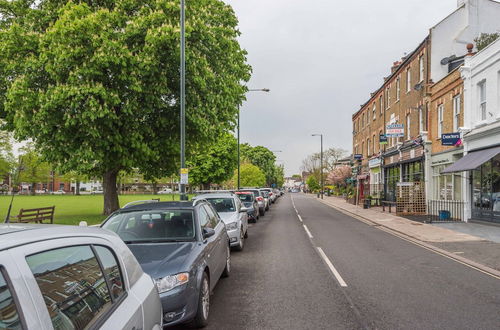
[[111, 203], [155, 188], [77, 188], [33, 191]]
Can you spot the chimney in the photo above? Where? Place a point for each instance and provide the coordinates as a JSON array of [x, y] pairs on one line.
[[470, 47], [395, 66]]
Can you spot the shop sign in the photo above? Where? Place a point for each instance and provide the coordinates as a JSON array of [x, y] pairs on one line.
[[382, 139], [374, 162], [451, 139], [358, 156], [395, 130]]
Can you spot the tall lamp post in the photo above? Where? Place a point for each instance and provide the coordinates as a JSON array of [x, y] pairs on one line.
[[267, 90], [183, 101], [321, 164]]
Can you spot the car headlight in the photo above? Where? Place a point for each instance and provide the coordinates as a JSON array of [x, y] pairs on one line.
[[232, 226], [167, 283]]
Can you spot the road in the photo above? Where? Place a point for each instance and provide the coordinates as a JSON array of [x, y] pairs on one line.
[[283, 281]]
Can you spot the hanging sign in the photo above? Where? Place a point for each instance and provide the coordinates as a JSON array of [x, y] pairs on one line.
[[358, 156], [451, 139], [382, 139], [395, 130]]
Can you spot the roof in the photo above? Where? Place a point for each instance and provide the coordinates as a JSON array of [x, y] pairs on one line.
[[159, 206], [12, 235], [214, 195]]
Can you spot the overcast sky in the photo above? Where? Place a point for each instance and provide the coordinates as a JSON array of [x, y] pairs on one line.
[[321, 59]]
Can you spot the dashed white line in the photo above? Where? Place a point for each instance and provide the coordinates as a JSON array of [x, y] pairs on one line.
[[332, 268], [300, 218], [308, 232]]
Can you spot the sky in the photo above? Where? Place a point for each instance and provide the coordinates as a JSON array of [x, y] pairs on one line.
[[321, 59]]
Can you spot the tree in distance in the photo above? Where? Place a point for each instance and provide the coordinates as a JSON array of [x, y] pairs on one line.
[[250, 176], [95, 84]]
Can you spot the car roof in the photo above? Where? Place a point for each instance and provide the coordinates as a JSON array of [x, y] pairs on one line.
[[214, 195], [158, 206], [14, 234]]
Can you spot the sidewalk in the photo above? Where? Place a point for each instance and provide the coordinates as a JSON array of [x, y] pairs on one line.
[[472, 250]]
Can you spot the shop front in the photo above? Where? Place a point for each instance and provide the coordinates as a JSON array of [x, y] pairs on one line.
[[376, 183], [446, 186]]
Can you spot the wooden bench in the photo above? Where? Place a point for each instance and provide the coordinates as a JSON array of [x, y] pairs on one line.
[[387, 203], [34, 215]]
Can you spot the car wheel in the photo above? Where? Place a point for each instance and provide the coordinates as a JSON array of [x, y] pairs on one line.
[[241, 241], [227, 269], [262, 212], [246, 234], [267, 208], [201, 318]]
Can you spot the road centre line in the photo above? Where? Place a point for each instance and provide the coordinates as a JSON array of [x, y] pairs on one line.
[[308, 232], [332, 268], [300, 218]]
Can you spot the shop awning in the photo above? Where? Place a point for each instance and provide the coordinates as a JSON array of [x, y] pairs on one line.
[[472, 160]]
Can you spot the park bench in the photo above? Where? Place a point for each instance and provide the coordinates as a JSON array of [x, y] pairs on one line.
[[34, 215], [387, 203]]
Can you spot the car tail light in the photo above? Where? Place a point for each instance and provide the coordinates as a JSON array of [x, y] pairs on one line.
[[260, 198]]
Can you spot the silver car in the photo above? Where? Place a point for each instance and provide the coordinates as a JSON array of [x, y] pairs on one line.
[[66, 277], [234, 215]]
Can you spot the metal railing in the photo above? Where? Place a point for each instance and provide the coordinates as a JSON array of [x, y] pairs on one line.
[[445, 211]]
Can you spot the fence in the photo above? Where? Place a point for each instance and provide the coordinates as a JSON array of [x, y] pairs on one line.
[[410, 199], [445, 211]]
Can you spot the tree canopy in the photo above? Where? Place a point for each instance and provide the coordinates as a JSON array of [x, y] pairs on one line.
[[250, 176], [261, 157], [95, 84]]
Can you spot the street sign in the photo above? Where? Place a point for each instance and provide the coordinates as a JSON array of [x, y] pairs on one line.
[[184, 176], [451, 139], [358, 156], [382, 139], [395, 130]]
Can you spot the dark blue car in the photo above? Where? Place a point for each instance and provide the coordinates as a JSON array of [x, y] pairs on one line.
[[183, 247]]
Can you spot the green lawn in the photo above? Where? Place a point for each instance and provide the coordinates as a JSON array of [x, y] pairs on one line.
[[70, 210]]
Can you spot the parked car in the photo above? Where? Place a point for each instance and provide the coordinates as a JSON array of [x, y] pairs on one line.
[[259, 196], [59, 192], [271, 196], [267, 198], [248, 199], [68, 277], [184, 246], [233, 213], [97, 192], [165, 191]]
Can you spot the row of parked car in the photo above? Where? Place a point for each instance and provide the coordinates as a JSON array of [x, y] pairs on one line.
[[151, 264]]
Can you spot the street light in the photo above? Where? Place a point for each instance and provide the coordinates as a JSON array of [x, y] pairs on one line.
[[321, 164], [267, 90], [183, 102]]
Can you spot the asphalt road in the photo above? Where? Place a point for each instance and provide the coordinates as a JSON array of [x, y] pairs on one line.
[[282, 281]]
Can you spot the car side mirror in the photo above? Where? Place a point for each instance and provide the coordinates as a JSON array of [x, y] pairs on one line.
[[208, 232], [243, 210]]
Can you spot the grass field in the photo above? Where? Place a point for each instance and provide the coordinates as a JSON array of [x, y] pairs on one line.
[[70, 210]]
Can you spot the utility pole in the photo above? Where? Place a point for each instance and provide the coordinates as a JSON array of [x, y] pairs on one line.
[[183, 102]]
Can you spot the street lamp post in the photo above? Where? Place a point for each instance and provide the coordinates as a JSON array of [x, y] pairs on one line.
[[321, 164], [267, 90], [183, 100]]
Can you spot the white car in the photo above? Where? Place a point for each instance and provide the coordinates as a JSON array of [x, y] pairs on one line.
[[68, 277], [233, 213], [165, 191], [59, 192]]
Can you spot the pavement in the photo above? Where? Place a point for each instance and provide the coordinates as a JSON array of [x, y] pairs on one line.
[[475, 244], [307, 265]]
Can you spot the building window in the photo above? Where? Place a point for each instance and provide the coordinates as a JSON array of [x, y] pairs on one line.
[[374, 144], [440, 120], [374, 111], [387, 98], [368, 151], [421, 68], [380, 104], [482, 99], [408, 80], [398, 88], [420, 120], [456, 112], [408, 135], [363, 148]]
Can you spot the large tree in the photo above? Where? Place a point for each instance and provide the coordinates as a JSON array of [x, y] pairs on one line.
[[95, 84], [250, 176], [261, 157], [216, 164], [32, 169]]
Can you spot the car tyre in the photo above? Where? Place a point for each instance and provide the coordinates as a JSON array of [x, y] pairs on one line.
[[201, 318], [227, 269], [246, 234], [241, 242], [262, 212]]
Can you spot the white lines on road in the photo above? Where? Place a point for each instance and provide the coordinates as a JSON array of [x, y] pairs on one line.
[[300, 218], [307, 231], [293, 203], [332, 268]]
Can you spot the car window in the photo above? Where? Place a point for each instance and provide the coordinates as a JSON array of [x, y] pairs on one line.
[[9, 314], [157, 225], [203, 218], [111, 271], [213, 218], [223, 204], [72, 285]]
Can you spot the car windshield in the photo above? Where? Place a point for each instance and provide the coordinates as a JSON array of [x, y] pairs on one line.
[[222, 204], [153, 226], [245, 198], [265, 193]]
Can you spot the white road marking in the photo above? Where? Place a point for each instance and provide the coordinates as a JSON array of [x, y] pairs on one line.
[[300, 218], [332, 268], [308, 232]]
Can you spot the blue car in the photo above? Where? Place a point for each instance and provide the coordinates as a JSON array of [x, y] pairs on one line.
[[184, 247]]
